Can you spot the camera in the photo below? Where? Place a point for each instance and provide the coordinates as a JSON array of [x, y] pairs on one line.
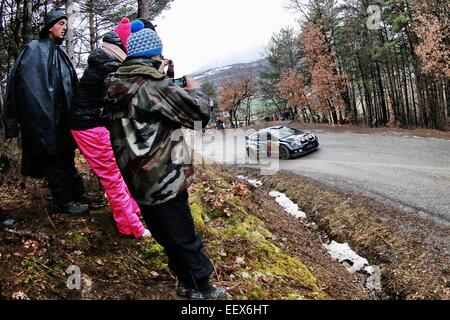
[[180, 81]]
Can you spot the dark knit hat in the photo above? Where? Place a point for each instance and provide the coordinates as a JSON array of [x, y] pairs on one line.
[[113, 38], [52, 18], [143, 42], [148, 24]]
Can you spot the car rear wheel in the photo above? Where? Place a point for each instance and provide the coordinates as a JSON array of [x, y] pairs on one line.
[[284, 153]]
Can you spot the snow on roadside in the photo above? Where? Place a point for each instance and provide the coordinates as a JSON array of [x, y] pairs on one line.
[[338, 251], [288, 205], [255, 183], [342, 252]]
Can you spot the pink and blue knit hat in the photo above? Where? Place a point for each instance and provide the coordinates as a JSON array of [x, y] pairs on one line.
[[143, 42]]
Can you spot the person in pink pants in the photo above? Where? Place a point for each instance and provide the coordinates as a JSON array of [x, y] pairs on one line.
[[89, 129], [95, 145]]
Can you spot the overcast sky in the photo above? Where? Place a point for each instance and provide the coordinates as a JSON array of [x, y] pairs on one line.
[[206, 33]]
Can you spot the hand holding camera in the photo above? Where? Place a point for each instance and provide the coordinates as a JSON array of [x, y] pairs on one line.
[[164, 64], [191, 84], [187, 83]]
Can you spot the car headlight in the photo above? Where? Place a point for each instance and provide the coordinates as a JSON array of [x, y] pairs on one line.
[[296, 144]]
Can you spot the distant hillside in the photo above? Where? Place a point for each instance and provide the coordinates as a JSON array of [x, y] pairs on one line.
[[221, 74]]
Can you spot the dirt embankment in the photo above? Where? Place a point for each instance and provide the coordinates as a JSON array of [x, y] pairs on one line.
[[411, 250], [259, 252]]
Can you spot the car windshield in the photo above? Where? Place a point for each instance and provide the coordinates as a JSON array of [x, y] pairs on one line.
[[285, 132]]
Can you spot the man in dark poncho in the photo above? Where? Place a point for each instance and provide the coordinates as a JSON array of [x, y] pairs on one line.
[[40, 88]]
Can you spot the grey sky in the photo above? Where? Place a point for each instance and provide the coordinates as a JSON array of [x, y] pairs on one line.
[[208, 33]]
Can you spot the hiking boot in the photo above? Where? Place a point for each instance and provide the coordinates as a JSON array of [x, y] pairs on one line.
[[88, 199], [7, 222], [182, 290], [74, 208], [208, 293]]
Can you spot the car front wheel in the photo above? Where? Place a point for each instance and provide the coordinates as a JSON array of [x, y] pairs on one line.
[[284, 153]]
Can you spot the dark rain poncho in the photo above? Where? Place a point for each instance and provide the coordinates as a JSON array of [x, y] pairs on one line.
[[40, 88]]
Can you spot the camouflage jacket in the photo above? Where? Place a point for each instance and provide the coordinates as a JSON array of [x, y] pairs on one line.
[[148, 111]]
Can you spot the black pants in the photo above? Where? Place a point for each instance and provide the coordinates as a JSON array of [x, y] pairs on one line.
[[172, 226], [64, 181]]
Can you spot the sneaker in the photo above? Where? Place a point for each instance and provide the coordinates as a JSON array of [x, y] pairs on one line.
[[209, 293], [88, 199], [74, 208]]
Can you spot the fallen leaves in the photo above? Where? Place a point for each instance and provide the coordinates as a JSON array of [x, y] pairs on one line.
[[31, 244], [19, 295]]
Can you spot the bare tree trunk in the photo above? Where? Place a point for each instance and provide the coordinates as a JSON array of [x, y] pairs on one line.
[[69, 35], [143, 9], [1, 107], [92, 39], [384, 115], [27, 31]]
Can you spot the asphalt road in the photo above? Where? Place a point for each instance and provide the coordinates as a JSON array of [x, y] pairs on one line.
[[408, 171]]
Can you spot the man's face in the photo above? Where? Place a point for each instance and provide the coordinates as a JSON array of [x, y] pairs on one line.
[[58, 31]]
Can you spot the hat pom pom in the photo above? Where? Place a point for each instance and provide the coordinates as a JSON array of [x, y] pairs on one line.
[[125, 20], [136, 26]]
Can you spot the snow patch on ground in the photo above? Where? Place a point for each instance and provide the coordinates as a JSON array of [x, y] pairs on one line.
[[255, 183], [342, 252], [338, 251], [288, 205]]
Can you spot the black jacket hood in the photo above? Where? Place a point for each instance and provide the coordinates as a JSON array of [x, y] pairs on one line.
[[98, 57]]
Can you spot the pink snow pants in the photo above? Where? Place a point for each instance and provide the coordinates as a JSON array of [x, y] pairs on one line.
[[95, 145]]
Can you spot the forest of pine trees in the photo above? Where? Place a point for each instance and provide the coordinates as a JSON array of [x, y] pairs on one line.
[[371, 63], [21, 20]]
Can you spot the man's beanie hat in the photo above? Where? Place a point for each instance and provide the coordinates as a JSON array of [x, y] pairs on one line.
[[52, 18], [123, 30], [143, 42], [148, 24]]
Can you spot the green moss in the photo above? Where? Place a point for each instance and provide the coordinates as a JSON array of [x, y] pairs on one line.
[[197, 213], [153, 253], [258, 293], [295, 296], [268, 272], [78, 239], [266, 258], [251, 228]]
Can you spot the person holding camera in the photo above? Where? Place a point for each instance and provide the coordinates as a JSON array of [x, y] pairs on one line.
[[148, 110]]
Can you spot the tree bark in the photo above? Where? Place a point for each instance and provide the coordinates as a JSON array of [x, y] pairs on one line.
[[70, 49], [27, 31], [143, 9], [92, 29]]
